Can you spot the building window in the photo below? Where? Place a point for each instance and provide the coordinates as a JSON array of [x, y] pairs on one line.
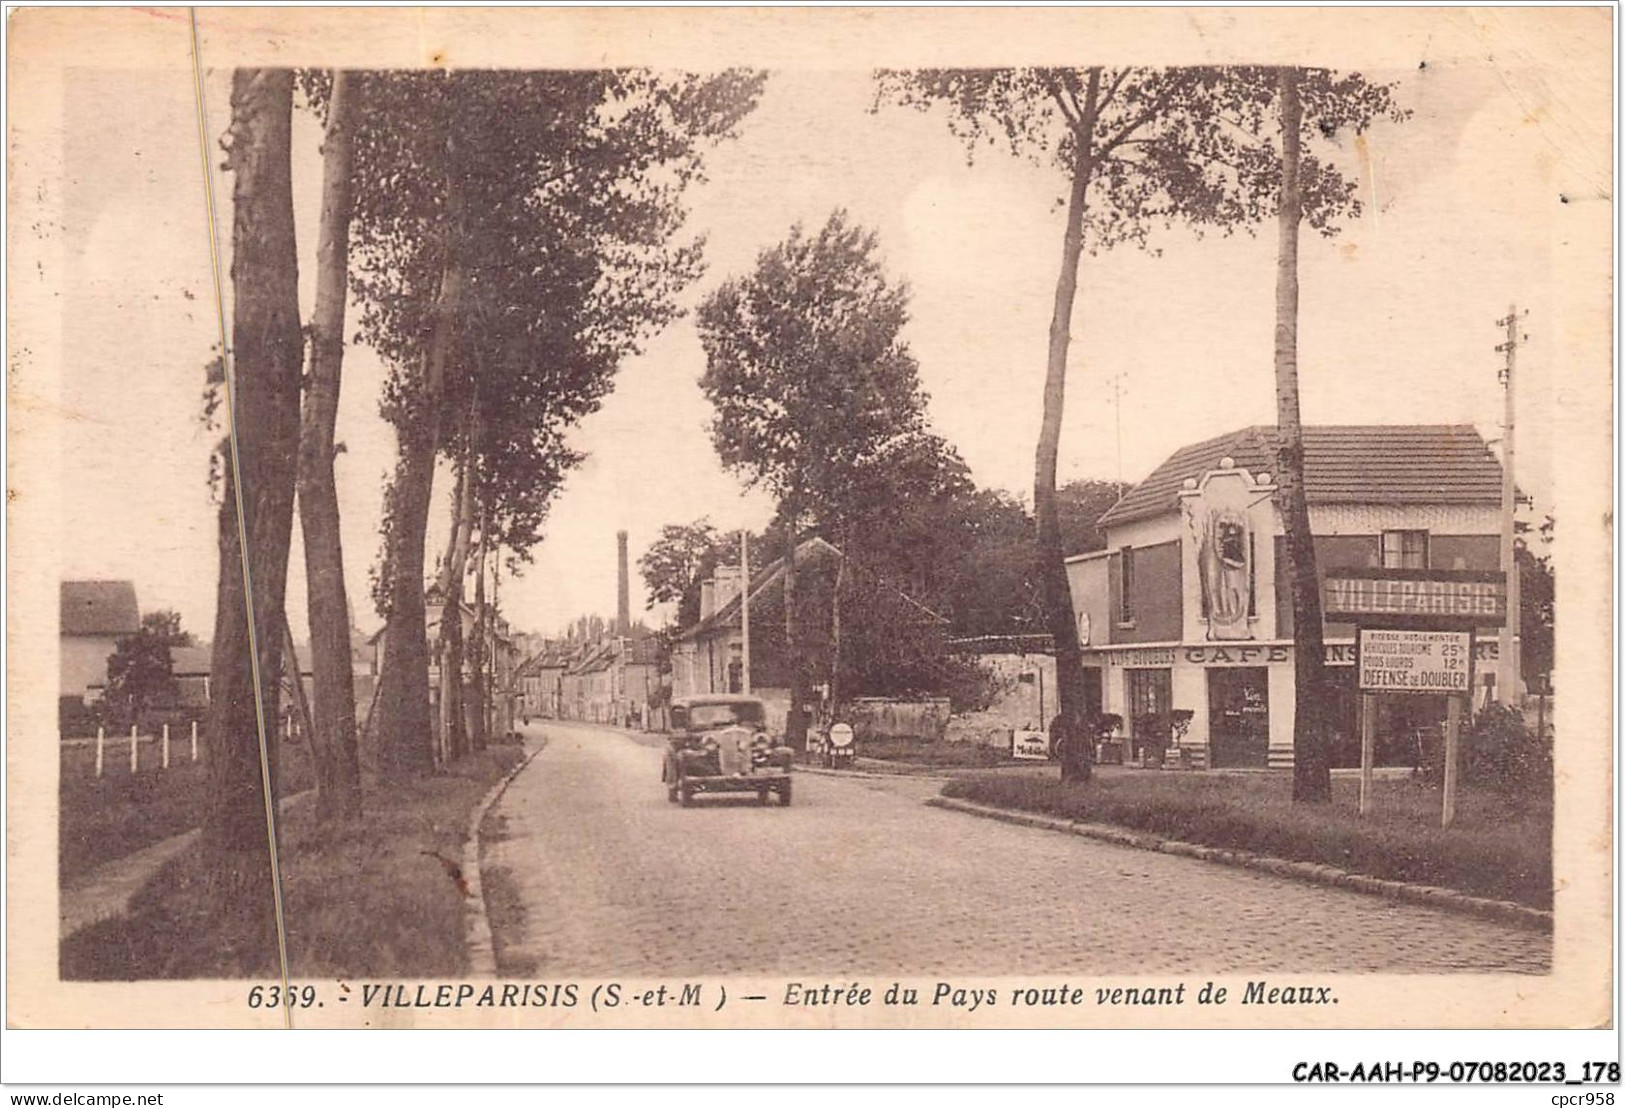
[[1125, 599], [1404, 550]]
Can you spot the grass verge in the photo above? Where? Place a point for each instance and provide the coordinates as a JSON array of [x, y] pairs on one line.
[[102, 819], [1493, 850], [371, 901], [507, 913]]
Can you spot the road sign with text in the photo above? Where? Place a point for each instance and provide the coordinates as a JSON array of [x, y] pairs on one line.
[[1407, 660], [1401, 597]]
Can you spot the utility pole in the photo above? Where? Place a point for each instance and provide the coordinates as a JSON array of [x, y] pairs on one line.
[[1506, 672], [744, 611], [1116, 382]]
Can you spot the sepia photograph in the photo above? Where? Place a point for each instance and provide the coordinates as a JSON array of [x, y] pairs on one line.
[[793, 518]]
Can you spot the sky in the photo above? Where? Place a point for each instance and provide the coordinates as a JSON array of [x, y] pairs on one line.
[[1397, 320]]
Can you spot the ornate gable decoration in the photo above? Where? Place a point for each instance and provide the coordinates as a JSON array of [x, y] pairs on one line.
[[1217, 509]]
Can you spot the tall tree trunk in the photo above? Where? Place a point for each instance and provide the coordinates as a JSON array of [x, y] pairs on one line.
[[796, 723], [333, 738], [453, 726], [481, 652], [835, 687], [1311, 765], [1068, 733], [267, 354], [496, 694], [405, 728]]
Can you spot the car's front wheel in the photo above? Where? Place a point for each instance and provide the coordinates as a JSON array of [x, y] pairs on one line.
[[685, 794]]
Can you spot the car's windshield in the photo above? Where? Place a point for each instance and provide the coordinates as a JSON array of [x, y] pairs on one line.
[[719, 715]]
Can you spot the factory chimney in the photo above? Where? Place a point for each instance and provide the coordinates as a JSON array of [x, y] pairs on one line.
[[623, 598]]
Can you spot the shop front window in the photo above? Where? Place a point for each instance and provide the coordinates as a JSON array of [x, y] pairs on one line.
[[1150, 704]]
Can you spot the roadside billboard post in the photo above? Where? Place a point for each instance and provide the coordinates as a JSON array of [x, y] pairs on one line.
[[1414, 632], [1368, 749]]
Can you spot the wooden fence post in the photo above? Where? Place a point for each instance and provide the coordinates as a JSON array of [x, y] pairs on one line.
[[1368, 749], [165, 748], [134, 751], [101, 743]]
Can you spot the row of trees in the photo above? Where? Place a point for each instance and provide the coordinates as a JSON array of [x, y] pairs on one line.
[[509, 238], [1213, 148]]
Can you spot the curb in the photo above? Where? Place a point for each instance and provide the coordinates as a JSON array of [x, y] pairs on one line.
[[868, 775], [482, 958], [1316, 873]]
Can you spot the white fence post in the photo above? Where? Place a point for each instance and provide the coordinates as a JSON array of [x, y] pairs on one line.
[[134, 751], [165, 747], [101, 742], [194, 740]]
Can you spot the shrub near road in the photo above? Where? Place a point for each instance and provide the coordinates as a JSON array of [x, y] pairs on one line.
[[378, 899], [1495, 849], [939, 753]]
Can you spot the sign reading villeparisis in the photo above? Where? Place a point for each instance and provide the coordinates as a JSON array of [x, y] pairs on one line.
[[1415, 661], [1459, 597]]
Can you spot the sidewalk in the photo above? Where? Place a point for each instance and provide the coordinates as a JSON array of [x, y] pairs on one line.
[[106, 890]]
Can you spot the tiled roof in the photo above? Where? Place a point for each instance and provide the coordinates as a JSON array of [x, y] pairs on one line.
[[728, 614], [595, 660], [1373, 464], [190, 661], [99, 608]]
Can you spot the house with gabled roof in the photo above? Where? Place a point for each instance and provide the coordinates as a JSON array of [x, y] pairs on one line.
[[882, 623], [94, 615], [1187, 614], [539, 677], [588, 683]]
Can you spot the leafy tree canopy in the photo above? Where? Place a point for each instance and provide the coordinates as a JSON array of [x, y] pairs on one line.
[[1194, 145], [806, 366], [140, 670], [559, 192]]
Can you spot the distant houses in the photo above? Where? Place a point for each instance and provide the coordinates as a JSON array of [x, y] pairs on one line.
[[616, 679], [95, 615]]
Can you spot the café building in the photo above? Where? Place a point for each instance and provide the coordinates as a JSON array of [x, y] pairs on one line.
[[1186, 617]]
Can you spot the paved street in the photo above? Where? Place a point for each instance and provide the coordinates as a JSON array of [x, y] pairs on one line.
[[858, 876]]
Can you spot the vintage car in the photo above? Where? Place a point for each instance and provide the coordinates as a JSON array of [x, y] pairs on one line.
[[719, 744]]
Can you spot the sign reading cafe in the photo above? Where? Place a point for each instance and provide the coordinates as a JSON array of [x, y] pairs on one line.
[[1248, 654]]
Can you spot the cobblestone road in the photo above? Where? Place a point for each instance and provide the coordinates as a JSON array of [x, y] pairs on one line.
[[858, 876]]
